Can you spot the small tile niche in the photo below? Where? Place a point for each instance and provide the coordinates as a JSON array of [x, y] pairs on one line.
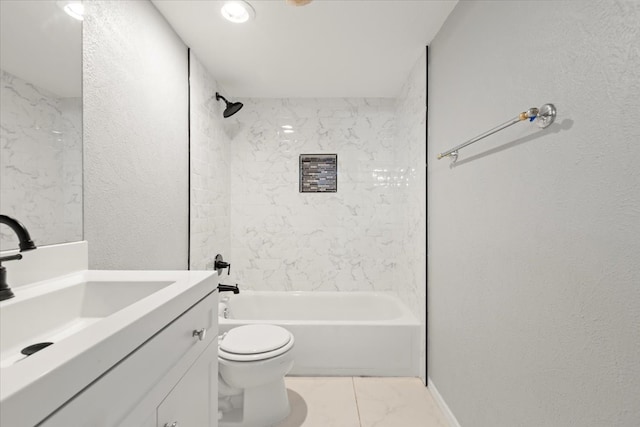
[[318, 173]]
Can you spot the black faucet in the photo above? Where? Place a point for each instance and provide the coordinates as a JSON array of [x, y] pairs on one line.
[[26, 244], [228, 288]]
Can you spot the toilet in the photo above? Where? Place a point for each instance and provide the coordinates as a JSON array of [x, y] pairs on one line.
[[252, 363]]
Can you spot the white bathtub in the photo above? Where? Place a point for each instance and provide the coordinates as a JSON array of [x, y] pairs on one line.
[[336, 333]]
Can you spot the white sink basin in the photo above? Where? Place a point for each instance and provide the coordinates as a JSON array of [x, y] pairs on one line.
[[94, 320], [55, 315]]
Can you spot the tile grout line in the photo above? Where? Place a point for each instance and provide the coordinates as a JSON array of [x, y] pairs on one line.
[[355, 395]]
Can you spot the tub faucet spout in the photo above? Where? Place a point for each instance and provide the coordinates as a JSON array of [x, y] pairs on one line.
[[228, 288]]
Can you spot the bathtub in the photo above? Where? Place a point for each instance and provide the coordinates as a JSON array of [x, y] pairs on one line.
[[336, 333]]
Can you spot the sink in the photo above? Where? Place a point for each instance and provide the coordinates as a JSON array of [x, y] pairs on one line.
[[94, 319], [55, 315]]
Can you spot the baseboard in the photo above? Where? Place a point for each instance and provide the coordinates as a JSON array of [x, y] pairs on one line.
[[451, 419]]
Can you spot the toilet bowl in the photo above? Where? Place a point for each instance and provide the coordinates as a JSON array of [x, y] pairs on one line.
[[252, 363]]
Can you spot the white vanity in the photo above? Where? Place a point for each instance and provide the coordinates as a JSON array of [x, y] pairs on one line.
[[130, 348]]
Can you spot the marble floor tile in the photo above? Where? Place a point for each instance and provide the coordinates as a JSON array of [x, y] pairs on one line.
[[321, 402], [394, 402]]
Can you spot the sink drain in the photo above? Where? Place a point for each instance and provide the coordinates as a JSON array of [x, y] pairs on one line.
[[34, 348]]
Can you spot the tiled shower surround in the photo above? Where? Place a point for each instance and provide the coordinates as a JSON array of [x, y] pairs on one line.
[[282, 239], [245, 201], [41, 162], [209, 146], [411, 155]]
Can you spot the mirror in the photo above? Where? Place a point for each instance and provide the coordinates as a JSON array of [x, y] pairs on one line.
[[41, 121]]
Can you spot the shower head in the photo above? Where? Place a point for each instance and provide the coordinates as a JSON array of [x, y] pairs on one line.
[[232, 107]]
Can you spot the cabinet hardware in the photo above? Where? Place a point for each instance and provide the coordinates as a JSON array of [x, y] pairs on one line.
[[200, 334]]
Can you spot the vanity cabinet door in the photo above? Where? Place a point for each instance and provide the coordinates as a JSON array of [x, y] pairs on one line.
[[129, 393], [193, 402]]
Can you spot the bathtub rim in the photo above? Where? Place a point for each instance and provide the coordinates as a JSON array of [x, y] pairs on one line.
[[407, 318]]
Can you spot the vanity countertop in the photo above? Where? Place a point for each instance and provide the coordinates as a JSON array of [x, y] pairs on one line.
[[33, 387]]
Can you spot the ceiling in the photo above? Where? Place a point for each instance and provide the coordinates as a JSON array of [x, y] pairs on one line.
[[42, 45], [328, 48]]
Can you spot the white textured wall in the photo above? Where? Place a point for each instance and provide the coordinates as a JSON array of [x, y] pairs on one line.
[[534, 237], [210, 159], [410, 158], [282, 239], [135, 138], [40, 162]]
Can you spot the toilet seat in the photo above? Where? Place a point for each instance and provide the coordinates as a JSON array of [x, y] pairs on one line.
[[254, 342]]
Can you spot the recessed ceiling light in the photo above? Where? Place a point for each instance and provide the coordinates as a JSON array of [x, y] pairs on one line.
[[237, 11], [74, 9], [287, 127]]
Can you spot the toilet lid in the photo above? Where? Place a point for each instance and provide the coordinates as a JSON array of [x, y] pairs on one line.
[[233, 357], [254, 339]]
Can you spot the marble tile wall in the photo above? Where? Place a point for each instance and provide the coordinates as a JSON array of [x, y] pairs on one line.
[[282, 239], [371, 234], [411, 196], [210, 219], [40, 162]]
